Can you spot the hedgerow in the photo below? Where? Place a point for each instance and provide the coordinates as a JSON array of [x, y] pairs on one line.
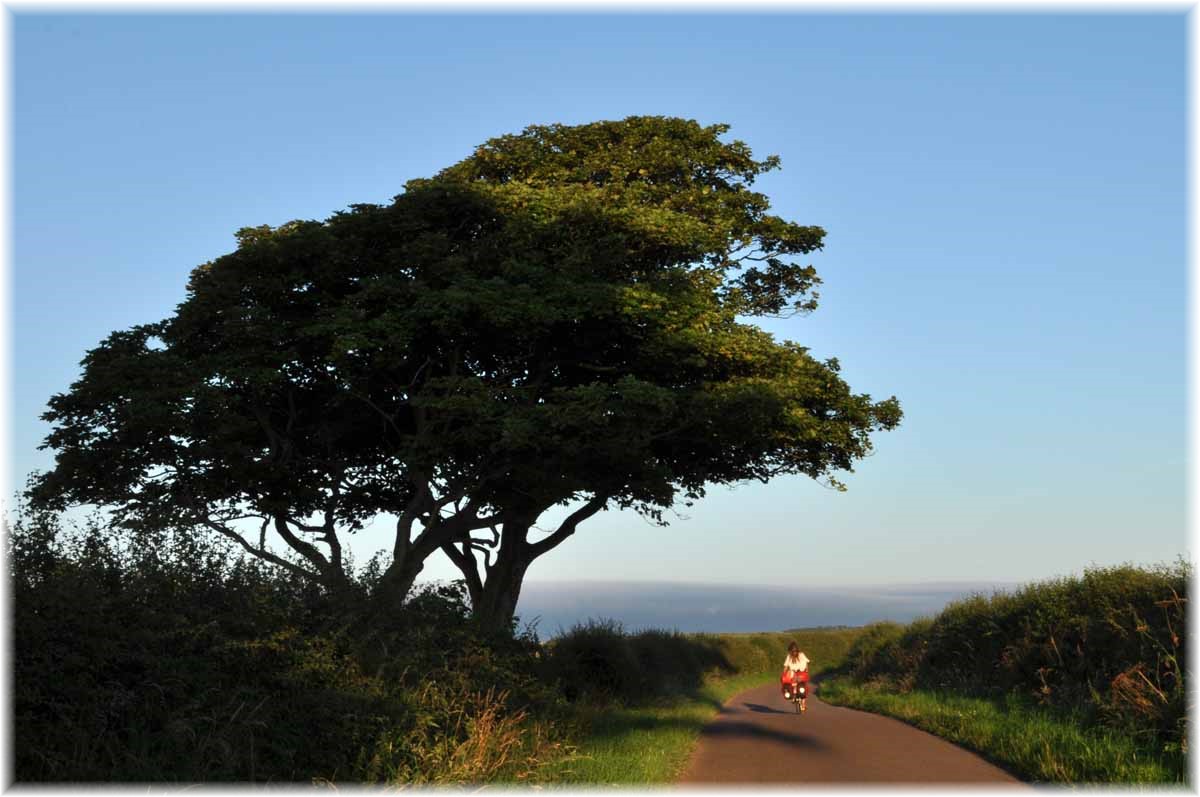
[[1108, 646]]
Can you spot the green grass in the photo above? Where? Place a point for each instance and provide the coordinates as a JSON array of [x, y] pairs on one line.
[[168, 658], [644, 745], [1033, 743], [649, 743]]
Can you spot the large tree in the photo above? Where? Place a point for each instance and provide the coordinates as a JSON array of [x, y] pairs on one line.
[[552, 322]]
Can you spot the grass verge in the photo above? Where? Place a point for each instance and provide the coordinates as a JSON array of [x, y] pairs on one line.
[[643, 745], [1033, 743], [662, 689]]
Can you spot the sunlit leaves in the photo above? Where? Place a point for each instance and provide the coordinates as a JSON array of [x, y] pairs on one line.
[[557, 315]]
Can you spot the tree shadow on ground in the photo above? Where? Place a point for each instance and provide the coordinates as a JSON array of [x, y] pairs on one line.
[[616, 726], [751, 730]]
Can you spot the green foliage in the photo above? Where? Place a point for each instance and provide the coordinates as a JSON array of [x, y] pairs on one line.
[[599, 661], [172, 657], [557, 318], [1037, 743], [871, 653], [1108, 646], [168, 658], [645, 744], [461, 737], [637, 736]]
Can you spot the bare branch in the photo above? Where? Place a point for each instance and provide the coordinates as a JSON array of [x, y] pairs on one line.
[[307, 550], [417, 374], [487, 553], [465, 561], [422, 498], [567, 528], [231, 518], [292, 414], [280, 447], [495, 535], [261, 552], [388, 418], [601, 369], [331, 539], [304, 526]]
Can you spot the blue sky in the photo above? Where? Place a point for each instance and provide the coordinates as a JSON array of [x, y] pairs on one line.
[[1005, 199]]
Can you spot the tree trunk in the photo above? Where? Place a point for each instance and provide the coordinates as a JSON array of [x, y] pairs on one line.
[[494, 602], [339, 586], [409, 560], [497, 602], [394, 585]]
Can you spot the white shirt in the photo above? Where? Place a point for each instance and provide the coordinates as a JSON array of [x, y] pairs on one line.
[[798, 664]]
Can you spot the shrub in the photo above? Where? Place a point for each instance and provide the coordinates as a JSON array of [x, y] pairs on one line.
[[595, 660], [1108, 646], [166, 657], [459, 736], [599, 661], [871, 655]]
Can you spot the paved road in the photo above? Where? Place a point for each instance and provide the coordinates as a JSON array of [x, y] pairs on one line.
[[759, 738]]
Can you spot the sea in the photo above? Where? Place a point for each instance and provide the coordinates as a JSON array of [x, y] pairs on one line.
[[552, 607]]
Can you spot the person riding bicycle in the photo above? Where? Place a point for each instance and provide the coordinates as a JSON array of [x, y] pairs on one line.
[[796, 664]]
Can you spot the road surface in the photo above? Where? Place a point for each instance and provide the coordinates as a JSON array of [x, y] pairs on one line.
[[759, 738]]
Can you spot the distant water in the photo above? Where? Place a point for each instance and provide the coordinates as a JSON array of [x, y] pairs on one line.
[[556, 606]]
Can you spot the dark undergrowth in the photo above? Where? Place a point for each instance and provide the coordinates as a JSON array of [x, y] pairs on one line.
[[168, 657]]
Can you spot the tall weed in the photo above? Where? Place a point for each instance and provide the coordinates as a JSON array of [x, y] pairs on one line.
[[461, 738]]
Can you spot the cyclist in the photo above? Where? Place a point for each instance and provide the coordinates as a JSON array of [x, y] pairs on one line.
[[797, 664]]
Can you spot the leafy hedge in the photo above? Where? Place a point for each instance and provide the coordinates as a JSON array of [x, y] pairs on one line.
[[598, 660], [1108, 646], [167, 658], [170, 657]]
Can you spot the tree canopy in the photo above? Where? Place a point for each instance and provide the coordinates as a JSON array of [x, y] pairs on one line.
[[556, 320]]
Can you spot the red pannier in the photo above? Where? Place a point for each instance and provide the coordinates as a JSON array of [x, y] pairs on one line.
[[786, 678]]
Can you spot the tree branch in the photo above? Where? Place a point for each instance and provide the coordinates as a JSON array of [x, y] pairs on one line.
[[304, 526], [280, 446], [331, 539], [261, 552], [466, 562], [567, 528], [307, 550], [404, 524], [388, 418]]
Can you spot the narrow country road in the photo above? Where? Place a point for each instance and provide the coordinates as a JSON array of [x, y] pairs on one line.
[[759, 738]]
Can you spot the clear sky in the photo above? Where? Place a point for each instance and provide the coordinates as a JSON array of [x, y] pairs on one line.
[[1005, 200]]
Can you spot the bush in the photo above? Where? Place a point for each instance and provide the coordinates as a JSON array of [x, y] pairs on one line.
[[599, 661], [1108, 646], [460, 737], [596, 661], [166, 657]]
